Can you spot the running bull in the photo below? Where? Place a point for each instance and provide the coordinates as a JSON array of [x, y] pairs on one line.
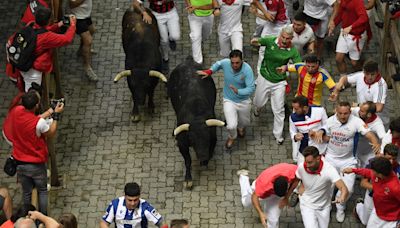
[[193, 99], [141, 43]]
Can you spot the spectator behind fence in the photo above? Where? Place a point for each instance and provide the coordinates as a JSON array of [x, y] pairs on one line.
[[5, 203], [28, 132], [68, 221], [45, 44], [20, 213], [179, 223], [29, 221]]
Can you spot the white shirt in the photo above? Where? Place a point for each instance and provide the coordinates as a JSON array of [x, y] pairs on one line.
[[317, 8], [43, 125], [314, 120], [342, 136], [230, 19], [376, 93], [318, 188], [118, 213], [375, 126], [305, 37], [83, 11]]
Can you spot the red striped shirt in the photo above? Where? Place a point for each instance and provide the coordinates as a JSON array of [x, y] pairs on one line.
[[161, 6]]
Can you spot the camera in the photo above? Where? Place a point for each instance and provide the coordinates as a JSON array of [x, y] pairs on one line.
[[54, 102], [66, 21]]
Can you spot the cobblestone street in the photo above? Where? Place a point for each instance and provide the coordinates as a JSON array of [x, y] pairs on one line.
[[99, 149]]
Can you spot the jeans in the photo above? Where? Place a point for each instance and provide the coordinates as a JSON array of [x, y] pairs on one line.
[[30, 176]]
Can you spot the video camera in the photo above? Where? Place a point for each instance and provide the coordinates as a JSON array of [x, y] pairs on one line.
[[54, 102]]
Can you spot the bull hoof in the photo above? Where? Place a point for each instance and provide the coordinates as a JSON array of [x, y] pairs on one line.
[[188, 184], [135, 118]]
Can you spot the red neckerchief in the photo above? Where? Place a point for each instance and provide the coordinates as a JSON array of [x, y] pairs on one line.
[[378, 77], [318, 171], [371, 119], [396, 141], [228, 2]]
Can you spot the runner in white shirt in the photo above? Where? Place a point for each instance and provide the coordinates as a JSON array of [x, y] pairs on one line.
[[230, 31], [303, 36], [367, 112], [304, 125], [317, 178], [370, 86], [319, 16], [392, 136], [342, 131]]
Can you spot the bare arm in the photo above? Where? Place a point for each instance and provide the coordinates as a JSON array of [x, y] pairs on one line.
[[379, 107], [53, 127], [376, 147], [341, 83], [139, 7], [267, 16], [257, 206], [46, 220], [366, 184], [285, 199], [104, 224], [344, 192]]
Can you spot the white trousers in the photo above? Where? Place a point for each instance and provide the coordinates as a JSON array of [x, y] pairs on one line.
[[348, 179], [315, 218], [364, 209], [266, 89], [200, 30], [237, 115], [168, 25], [226, 41], [270, 204], [375, 222], [30, 76]]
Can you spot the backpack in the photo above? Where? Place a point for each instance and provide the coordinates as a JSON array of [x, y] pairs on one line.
[[20, 51]]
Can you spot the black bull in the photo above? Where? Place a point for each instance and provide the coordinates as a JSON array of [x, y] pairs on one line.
[[141, 43], [193, 99]]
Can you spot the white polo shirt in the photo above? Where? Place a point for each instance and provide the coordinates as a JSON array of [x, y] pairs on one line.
[[315, 119], [376, 92], [343, 137], [305, 37], [318, 8], [317, 187], [230, 19]]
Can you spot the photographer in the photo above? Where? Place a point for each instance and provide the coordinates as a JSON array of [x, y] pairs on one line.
[[28, 132]]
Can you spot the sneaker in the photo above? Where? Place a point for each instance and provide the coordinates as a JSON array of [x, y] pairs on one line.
[[243, 172], [229, 143], [91, 75], [172, 45], [360, 200], [293, 199], [280, 141], [340, 215]]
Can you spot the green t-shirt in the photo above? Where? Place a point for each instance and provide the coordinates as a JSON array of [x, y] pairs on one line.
[[201, 13], [275, 57]]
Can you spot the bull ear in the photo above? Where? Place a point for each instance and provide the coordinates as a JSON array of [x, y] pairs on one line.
[[215, 123], [122, 74], [180, 128], [158, 74]]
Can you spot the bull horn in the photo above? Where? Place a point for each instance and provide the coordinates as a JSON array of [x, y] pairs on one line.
[[215, 123], [122, 74], [157, 74], [180, 128]]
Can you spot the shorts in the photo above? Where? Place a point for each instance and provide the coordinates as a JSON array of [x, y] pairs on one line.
[[348, 44], [82, 25], [319, 26]]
